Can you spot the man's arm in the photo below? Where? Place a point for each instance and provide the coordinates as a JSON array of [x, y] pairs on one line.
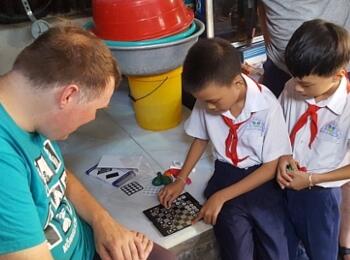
[[263, 22], [21, 233], [86, 205], [41, 252], [113, 241]]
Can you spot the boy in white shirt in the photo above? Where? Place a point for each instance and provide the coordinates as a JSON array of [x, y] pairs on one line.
[[316, 106], [245, 124]]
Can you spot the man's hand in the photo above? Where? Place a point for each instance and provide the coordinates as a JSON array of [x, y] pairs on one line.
[[170, 192], [112, 240], [146, 243], [115, 242], [284, 178], [210, 209]]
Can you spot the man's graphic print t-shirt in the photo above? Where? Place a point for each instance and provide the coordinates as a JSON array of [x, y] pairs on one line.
[[33, 204]]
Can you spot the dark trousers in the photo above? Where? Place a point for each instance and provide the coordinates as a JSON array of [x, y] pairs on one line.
[[250, 226], [274, 78], [314, 215]]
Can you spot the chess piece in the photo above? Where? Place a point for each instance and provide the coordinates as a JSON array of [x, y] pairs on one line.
[[157, 181], [290, 169], [161, 180], [166, 180]]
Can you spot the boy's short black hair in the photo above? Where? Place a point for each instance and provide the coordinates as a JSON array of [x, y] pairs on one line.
[[210, 61], [317, 47]]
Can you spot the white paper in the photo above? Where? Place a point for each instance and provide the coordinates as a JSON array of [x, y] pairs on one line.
[[118, 162]]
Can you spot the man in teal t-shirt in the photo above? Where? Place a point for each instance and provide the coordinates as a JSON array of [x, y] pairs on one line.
[[32, 196], [57, 84]]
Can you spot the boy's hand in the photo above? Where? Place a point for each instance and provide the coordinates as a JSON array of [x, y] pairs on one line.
[[284, 178], [246, 68], [170, 192], [210, 209], [300, 180]]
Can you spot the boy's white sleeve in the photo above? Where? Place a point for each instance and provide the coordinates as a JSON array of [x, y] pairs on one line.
[[282, 99], [195, 125], [286, 95], [276, 139]]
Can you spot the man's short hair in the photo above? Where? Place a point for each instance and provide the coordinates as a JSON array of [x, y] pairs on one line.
[[210, 61], [317, 47], [68, 55]]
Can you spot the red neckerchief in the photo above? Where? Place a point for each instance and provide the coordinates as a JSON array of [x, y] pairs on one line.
[[232, 138], [312, 113]]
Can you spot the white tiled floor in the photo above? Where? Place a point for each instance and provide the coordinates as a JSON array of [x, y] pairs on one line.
[[115, 131]]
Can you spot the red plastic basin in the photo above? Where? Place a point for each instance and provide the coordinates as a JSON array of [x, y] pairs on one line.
[[134, 20]]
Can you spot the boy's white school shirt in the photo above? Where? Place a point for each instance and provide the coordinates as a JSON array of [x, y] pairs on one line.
[[328, 150], [263, 137]]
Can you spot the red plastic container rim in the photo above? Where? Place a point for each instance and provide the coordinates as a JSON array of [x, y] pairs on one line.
[[155, 35]]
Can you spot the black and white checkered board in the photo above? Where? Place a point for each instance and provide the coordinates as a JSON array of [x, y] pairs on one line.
[[180, 215], [131, 188]]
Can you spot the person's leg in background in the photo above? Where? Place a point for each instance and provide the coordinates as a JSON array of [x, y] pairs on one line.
[[344, 237], [274, 78]]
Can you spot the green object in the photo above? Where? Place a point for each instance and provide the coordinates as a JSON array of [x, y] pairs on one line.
[[161, 180], [157, 181], [289, 168], [166, 180]]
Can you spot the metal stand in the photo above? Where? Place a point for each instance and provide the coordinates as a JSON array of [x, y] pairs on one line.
[[209, 12], [38, 26]]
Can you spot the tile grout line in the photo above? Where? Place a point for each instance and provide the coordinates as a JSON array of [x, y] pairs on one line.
[[137, 143]]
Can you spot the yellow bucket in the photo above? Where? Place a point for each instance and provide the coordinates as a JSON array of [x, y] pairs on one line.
[[157, 99]]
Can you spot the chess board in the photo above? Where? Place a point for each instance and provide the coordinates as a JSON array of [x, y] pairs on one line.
[[180, 215]]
